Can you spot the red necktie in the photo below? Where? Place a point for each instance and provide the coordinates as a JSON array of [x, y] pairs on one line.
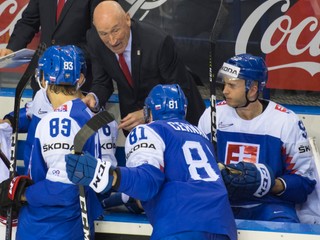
[[59, 8], [125, 69]]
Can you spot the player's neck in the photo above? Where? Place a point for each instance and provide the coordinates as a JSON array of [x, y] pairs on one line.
[[58, 99], [253, 110]]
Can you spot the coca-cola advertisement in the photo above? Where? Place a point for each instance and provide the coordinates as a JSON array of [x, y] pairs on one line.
[[285, 32], [10, 13]]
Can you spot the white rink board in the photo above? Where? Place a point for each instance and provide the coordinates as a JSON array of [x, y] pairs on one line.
[[139, 229], [137, 225], [261, 235]]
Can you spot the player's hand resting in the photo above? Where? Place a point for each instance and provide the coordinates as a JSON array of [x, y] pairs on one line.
[[88, 171], [245, 180]]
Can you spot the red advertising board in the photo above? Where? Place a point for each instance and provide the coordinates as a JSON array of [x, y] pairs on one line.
[[291, 43], [295, 64]]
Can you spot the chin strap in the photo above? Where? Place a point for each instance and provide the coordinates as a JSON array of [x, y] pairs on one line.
[[248, 101]]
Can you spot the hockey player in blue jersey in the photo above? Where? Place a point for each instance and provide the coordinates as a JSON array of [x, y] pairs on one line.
[[32, 113], [50, 206], [263, 145], [171, 168], [29, 118]]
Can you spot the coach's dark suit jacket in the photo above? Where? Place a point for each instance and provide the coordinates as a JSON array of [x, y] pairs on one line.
[[71, 28], [154, 60], [75, 20]]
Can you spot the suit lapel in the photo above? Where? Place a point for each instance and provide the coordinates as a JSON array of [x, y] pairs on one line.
[[65, 9], [52, 14]]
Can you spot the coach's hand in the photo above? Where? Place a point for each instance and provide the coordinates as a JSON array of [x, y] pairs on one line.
[[244, 180], [91, 101], [132, 120], [88, 171]]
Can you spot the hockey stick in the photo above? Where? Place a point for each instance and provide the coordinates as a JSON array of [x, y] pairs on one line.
[[316, 154], [29, 72], [92, 126], [5, 159], [216, 29]]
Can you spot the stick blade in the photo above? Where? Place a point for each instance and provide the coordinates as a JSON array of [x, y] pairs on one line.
[[93, 125]]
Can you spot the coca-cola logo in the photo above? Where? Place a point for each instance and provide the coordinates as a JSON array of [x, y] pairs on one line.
[[10, 12], [143, 5], [291, 44]]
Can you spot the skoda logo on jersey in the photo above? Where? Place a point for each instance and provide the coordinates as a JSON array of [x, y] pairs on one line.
[[304, 148], [143, 5], [140, 145], [108, 145], [57, 146]]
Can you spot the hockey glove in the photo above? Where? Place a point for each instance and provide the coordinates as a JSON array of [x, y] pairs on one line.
[[133, 206], [119, 199], [88, 171], [244, 180], [12, 189]]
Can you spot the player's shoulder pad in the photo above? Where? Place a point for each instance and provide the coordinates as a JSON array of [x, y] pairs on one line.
[[282, 113]]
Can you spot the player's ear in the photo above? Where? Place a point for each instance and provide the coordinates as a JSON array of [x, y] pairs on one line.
[[253, 91], [82, 79], [151, 117], [128, 19], [43, 82]]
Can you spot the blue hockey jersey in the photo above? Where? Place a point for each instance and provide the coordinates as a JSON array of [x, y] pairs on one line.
[[172, 170], [53, 208]]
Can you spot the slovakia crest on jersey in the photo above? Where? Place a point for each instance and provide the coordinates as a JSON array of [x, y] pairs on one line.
[[237, 152], [157, 107], [62, 108]]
